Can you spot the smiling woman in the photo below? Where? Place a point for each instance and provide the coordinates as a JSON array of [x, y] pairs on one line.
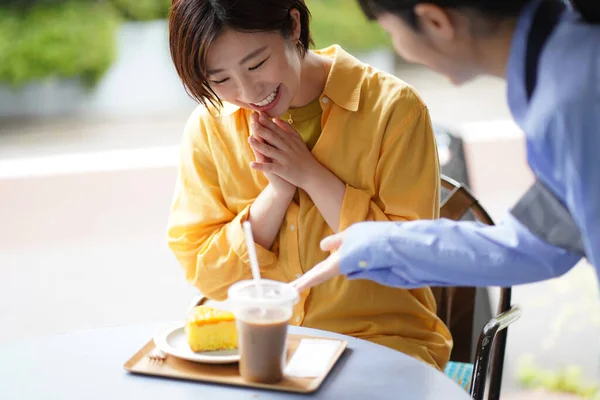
[[356, 144], [197, 26]]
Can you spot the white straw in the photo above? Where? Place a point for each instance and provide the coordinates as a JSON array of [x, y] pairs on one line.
[[252, 254]]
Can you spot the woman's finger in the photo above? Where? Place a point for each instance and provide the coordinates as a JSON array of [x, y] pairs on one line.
[[264, 135], [273, 133], [264, 148], [259, 156], [267, 168], [284, 126], [294, 139]]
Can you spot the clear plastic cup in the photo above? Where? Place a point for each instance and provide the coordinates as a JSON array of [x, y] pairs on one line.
[[262, 317]]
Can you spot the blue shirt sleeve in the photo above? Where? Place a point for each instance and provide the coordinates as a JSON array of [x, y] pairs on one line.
[[449, 253], [576, 134]]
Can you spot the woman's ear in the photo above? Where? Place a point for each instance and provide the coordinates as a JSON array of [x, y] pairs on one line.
[[435, 22], [296, 25]]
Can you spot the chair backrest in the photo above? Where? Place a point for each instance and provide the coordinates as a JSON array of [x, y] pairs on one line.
[[456, 305]]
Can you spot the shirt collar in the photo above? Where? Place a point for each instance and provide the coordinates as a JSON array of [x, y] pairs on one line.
[[343, 85], [515, 70], [345, 79], [225, 110]]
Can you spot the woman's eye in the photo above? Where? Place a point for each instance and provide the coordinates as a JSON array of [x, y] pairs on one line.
[[258, 65], [221, 81]]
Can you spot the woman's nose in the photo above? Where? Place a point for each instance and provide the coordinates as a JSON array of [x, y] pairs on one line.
[[249, 91]]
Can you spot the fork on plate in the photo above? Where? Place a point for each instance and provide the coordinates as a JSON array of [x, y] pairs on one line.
[[157, 355]]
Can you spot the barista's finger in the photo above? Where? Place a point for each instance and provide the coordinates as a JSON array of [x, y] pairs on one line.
[[333, 242]]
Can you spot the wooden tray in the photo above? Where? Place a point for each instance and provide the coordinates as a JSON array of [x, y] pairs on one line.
[[227, 374]]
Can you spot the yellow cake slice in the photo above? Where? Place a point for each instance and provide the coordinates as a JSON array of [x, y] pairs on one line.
[[209, 329]]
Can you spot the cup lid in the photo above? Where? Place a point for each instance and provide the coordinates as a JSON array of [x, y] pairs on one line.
[[271, 292]]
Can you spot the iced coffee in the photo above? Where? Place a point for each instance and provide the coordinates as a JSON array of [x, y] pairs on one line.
[[262, 315]]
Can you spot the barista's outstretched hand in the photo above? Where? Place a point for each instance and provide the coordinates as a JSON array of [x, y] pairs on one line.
[[325, 270]]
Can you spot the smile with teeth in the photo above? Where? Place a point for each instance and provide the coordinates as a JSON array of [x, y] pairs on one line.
[[269, 99]]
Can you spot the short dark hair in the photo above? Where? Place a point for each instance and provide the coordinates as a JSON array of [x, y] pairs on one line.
[[404, 9], [195, 24]]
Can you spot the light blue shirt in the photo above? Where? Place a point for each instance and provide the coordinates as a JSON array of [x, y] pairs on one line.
[[562, 126]]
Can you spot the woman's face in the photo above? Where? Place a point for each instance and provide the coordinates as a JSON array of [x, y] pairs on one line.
[[260, 71], [439, 43]]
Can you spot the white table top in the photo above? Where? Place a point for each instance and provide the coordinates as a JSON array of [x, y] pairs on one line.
[[87, 365]]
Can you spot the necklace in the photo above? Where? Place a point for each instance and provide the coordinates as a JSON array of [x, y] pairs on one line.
[[290, 120]]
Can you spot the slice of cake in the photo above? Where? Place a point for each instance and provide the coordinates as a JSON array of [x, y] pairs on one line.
[[209, 329]]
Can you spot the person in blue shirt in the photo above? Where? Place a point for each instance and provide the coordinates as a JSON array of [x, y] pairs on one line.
[[549, 53]]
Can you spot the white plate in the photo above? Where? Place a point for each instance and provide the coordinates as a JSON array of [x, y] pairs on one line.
[[173, 341]]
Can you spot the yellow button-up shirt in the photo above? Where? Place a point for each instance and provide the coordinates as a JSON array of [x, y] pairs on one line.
[[377, 138]]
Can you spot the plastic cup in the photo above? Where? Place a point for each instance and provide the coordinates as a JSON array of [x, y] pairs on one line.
[[262, 318]]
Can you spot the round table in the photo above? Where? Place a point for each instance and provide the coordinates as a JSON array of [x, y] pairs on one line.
[[89, 365]]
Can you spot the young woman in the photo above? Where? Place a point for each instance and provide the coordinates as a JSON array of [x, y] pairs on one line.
[[303, 144], [550, 56]]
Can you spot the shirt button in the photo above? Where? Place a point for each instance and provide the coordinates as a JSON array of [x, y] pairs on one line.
[[298, 319], [363, 264], [298, 275], [325, 100], [292, 227]]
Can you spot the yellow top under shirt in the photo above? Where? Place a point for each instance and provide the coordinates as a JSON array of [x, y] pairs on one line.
[[307, 121], [376, 137]]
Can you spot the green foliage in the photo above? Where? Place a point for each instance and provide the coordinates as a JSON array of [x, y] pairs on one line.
[[568, 380], [72, 39], [342, 22], [41, 39], [24, 4], [143, 10]]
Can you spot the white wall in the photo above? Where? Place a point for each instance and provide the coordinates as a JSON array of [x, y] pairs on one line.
[[497, 162]]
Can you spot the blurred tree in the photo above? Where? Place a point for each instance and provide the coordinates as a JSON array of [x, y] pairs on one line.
[[64, 39], [26, 3], [567, 380], [143, 10], [136, 10], [342, 22]]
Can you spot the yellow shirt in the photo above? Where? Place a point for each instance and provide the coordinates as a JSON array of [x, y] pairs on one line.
[[376, 136]]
